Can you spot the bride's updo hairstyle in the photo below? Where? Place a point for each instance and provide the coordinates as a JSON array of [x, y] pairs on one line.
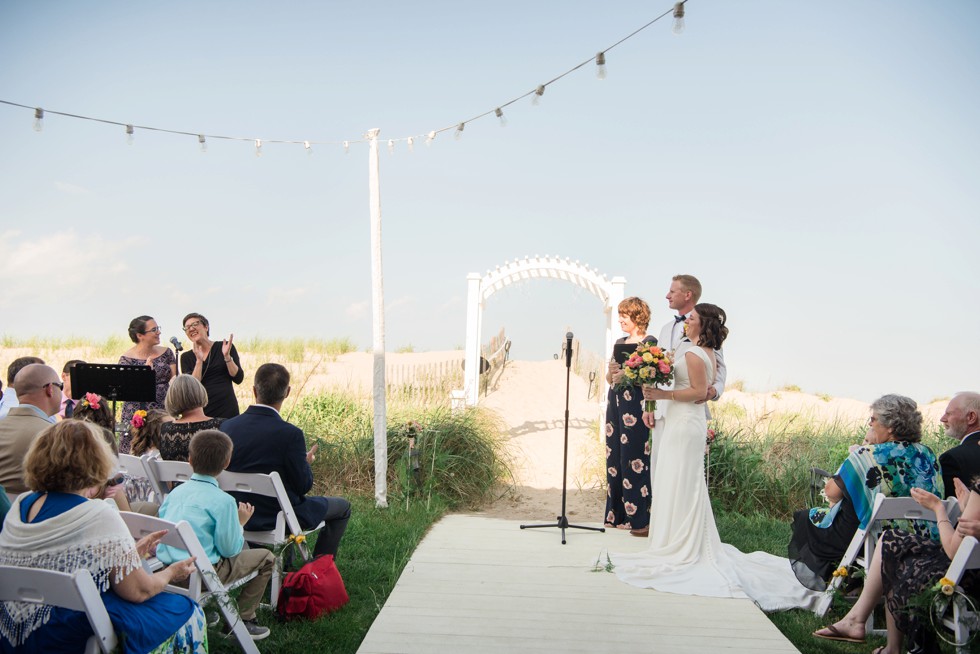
[[713, 330]]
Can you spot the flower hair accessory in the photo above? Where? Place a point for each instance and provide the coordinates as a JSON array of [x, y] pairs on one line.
[[139, 419], [92, 400]]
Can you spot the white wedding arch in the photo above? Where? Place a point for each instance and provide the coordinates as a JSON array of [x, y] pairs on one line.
[[481, 287]]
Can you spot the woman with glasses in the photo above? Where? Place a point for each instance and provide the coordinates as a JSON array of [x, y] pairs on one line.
[[147, 351], [213, 363], [891, 461]]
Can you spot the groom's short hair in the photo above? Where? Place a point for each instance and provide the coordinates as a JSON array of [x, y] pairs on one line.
[[690, 283]]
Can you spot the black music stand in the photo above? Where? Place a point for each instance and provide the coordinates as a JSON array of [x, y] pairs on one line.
[[114, 382], [563, 519]]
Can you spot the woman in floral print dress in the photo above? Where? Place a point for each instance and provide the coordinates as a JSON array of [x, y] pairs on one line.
[[627, 439]]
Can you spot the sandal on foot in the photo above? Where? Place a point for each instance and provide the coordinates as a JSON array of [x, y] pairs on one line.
[[836, 634]]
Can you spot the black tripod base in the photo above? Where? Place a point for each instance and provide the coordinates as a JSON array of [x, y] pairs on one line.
[[563, 525]]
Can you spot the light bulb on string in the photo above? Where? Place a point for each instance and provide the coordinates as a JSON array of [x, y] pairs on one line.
[[678, 19], [459, 131], [203, 143], [391, 146], [538, 92], [38, 119], [430, 137], [129, 135], [308, 147], [600, 65], [258, 147], [499, 113], [346, 147], [410, 141]]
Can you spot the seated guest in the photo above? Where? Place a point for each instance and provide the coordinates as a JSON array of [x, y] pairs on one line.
[[145, 431], [215, 364], [95, 409], [67, 403], [39, 393], [892, 461], [217, 520], [9, 399], [962, 423], [905, 565], [57, 527], [264, 442], [185, 401], [4, 505]]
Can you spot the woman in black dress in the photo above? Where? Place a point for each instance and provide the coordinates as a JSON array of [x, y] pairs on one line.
[[214, 364], [185, 402], [627, 438]]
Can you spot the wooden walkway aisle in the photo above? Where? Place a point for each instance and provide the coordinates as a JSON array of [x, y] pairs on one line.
[[479, 584]]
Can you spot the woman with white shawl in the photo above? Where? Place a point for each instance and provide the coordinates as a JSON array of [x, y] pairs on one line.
[[57, 527]]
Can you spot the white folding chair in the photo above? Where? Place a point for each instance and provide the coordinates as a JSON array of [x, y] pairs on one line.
[[132, 466], [163, 473], [76, 591], [861, 548], [269, 485], [181, 535], [963, 619]]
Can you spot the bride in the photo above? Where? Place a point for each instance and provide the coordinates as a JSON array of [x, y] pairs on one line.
[[686, 555]]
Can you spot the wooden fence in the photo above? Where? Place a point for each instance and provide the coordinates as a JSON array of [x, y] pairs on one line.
[[425, 383]]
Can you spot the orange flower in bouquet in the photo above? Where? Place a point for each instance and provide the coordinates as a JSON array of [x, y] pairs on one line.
[[650, 365]]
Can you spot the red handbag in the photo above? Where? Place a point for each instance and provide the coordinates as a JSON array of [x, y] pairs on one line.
[[313, 590]]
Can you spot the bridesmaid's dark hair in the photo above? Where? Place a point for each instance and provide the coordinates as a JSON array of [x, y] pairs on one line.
[[138, 326], [713, 330]]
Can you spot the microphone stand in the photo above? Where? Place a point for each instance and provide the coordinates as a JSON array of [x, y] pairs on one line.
[[178, 348], [563, 519]]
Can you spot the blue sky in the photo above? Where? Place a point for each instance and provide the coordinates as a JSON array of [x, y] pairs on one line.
[[814, 164]]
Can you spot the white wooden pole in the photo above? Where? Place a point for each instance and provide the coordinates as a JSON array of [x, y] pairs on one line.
[[474, 316], [378, 329], [617, 293]]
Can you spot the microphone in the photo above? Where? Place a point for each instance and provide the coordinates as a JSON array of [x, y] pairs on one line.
[[568, 349], [176, 344]]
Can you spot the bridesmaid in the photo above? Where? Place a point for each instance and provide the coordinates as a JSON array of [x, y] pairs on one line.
[[147, 351], [627, 438]]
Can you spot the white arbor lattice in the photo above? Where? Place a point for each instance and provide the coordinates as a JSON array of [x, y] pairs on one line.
[[481, 287]]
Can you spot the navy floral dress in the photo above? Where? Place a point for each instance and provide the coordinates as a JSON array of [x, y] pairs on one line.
[[163, 373], [627, 458]]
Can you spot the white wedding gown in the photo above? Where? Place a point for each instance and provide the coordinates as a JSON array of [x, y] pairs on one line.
[[686, 555]]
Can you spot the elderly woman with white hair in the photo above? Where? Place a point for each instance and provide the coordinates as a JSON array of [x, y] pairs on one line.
[[891, 461]]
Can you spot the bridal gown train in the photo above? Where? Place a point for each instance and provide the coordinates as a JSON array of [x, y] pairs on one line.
[[686, 555]]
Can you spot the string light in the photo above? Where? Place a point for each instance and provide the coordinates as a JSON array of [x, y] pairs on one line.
[[538, 92], [391, 146], [459, 131], [678, 19], [411, 143], [677, 10], [129, 135]]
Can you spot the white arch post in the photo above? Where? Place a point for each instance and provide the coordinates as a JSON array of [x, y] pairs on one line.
[[480, 288]]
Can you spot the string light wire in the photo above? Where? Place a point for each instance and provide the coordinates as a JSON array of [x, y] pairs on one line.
[[306, 143]]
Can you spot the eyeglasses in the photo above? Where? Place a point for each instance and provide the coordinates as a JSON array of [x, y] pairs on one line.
[[871, 421], [192, 325], [155, 330], [60, 385]]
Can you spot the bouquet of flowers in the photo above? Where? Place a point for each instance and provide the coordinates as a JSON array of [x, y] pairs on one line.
[[649, 364]]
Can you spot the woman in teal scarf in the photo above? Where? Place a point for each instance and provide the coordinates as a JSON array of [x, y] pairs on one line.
[[891, 461]]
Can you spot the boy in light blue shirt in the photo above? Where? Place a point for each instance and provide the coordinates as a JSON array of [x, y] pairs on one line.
[[217, 521]]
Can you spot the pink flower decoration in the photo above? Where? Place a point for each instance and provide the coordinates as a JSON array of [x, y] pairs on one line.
[[630, 508], [626, 484], [664, 367], [644, 491], [609, 429], [612, 471], [637, 465], [93, 400], [623, 439], [629, 419]]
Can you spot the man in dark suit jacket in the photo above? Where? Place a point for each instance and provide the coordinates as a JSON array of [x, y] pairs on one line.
[[962, 422], [265, 442]]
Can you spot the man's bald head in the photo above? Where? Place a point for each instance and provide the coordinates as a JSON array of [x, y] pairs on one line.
[[962, 416], [39, 385]]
